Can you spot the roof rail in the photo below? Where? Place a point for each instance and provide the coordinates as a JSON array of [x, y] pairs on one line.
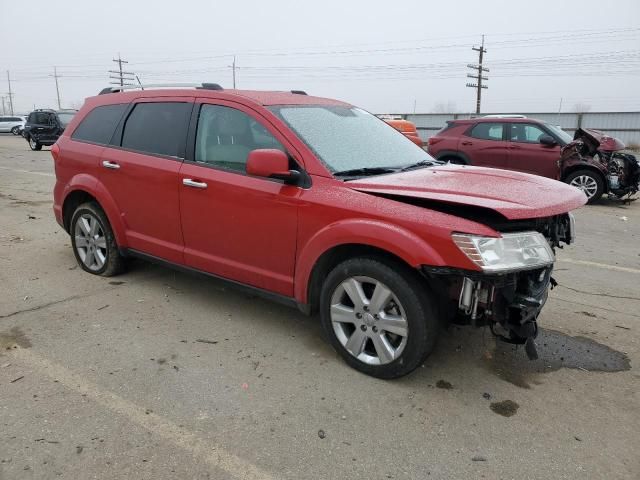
[[298, 92], [505, 115], [122, 88]]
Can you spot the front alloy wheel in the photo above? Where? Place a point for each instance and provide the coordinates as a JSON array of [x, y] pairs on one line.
[[379, 316], [369, 320], [589, 182]]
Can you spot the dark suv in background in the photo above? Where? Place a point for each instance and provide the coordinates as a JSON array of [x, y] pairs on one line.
[[44, 126], [590, 160]]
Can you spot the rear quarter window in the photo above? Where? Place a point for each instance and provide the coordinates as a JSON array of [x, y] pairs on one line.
[[99, 124]]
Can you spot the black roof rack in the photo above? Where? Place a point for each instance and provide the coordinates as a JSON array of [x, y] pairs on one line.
[[120, 88], [298, 92]]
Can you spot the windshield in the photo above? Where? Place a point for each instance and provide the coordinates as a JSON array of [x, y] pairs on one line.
[[65, 118], [561, 134], [347, 138]]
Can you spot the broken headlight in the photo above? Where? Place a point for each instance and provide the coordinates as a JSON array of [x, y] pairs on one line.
[[511, 251]]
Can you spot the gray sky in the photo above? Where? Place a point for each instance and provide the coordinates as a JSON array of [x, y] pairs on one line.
[[385, 56]]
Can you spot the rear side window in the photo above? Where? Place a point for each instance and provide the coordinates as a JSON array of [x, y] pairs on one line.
[[487, 131], [158, 128], [98, 126]]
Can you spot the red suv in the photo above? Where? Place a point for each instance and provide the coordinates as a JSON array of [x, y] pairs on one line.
[[590, 161], [317, 204]]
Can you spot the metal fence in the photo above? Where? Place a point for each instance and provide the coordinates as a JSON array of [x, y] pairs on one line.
[[623, 125]]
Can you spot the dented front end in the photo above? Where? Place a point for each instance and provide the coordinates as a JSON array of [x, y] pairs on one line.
[[507, 300]]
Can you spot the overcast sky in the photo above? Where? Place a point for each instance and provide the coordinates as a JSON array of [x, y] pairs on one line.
[[386, 56]]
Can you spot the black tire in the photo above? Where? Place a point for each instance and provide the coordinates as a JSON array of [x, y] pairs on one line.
[[417, 303], [34, 144], [113, 262], [592, 178], [15, 130]]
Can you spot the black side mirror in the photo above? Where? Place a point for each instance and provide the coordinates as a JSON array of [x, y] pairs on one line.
[[547, 140]]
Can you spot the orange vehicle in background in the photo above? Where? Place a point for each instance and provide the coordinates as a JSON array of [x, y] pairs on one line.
[[407, 128]]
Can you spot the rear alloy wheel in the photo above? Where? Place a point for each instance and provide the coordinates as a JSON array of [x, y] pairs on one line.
[[589, 182], [34, 145], [93, 242], [378, 317], [15, 130]]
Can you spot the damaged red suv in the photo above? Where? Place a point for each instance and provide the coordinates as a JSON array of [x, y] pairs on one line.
[[315, 203], [590, 161]]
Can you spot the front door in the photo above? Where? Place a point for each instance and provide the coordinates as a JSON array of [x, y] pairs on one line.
[[527, 154], [239, 227], [141, 173]]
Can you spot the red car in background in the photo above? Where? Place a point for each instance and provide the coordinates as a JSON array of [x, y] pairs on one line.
[[591, 160]]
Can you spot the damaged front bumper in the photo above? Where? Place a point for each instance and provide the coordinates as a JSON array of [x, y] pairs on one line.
[[508, 303]]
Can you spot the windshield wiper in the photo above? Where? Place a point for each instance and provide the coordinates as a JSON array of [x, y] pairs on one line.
[[364, 171], [423, 163]]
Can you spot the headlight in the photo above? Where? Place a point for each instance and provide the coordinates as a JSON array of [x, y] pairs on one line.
[[511, 251]]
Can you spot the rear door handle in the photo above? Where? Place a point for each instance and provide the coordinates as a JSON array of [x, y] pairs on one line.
[[467, 143], [188, 182], [111, 165]]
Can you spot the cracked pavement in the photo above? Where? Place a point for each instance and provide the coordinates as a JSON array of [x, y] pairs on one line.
[[156, 374]]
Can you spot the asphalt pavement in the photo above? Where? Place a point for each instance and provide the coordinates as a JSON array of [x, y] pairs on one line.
[[156, 374]]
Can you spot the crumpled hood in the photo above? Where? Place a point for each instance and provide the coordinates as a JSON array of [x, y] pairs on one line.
[[595, 140], [512, 194]]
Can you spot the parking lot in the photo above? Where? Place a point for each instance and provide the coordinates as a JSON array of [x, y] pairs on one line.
[[157, 374]]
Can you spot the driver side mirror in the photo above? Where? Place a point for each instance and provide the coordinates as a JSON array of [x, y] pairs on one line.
[[547, 140], [271, 163]]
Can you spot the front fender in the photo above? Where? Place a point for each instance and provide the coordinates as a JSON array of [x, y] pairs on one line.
[[91, 185], [385, 236]]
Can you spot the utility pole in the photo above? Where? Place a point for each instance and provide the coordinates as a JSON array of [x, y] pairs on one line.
[[233, 67], [4, 112], [55, 75], [10, 93], [478, 77], [121, 77]]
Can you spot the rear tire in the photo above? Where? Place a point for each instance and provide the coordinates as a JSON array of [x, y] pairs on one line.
[[391, 326], [93, 242], [33, 144], [15, 130], [590, 182]]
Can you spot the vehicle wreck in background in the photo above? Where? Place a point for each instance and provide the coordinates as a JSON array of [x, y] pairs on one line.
[[597, 164]]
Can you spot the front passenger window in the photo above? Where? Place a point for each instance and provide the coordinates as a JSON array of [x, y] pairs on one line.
[[487, 131], [225, 137]]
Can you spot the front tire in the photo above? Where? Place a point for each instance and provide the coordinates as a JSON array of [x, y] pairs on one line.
[[93, 242], [590, 182], [34, 144], [379, 316]]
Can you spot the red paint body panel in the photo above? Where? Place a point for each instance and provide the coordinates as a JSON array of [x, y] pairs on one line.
[[270, 235], [519, 196]]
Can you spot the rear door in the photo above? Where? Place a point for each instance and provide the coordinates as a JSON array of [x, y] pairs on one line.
[[527, 154], [484, 145], [237, 226], [141, 173]]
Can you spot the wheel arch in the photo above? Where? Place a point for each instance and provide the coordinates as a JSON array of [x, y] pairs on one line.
[[586, 166], [337, 243], [85, 188]]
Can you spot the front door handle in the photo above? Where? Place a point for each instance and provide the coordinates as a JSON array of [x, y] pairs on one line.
[[111, 165], [188, 182], [467, 143]]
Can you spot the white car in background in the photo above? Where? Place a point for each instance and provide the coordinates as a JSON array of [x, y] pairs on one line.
[[14, 125]]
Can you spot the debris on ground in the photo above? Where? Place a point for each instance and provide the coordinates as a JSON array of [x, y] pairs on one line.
[[321, 434], [444, 384], [486, 395], [202, 340], [506, 408], [479, 458]]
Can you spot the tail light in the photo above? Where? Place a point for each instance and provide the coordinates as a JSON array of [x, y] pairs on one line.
[[55, 152]]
